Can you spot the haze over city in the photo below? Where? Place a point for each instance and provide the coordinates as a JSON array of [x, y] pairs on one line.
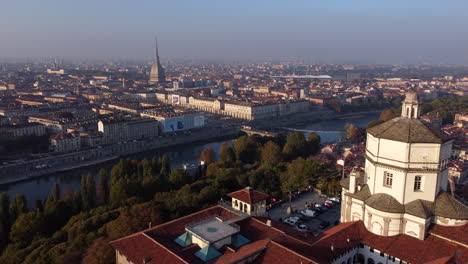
[[234, 132], [329, 31]]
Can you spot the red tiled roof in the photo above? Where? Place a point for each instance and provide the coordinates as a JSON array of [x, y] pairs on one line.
[[281, 244], [455, 233], [414, 250], [275, 253], [249, 195], [138, 247], [244, 252]]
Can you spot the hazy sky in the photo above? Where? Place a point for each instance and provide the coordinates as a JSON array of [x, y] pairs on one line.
[[367, 31]]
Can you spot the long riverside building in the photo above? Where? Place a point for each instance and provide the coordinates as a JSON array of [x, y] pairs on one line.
[[248, 110]]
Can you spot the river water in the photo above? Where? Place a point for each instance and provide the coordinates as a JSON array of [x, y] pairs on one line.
[[39, 188]]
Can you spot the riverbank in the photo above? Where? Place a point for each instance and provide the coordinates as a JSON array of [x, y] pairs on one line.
[[70, 161], [38, 188]]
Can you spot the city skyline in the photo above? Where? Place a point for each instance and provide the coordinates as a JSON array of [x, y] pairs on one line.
[[339, 32]]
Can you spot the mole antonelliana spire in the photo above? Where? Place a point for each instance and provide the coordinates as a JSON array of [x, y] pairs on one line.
[[157, 74]]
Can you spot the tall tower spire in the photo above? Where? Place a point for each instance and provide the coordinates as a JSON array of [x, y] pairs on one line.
[[156, 45], [157, 74]]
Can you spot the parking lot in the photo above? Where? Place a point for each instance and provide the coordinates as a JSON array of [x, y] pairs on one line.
[[332, 215]]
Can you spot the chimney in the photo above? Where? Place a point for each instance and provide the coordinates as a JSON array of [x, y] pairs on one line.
[[352, 179], [452, 185], [352, 182]]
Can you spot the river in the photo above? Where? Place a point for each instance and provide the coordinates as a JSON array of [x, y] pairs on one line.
[[39, 188]]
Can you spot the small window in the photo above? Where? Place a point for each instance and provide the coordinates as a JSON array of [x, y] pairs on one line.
[[371, 250], [417, 183], [388, 179], [382, 254]]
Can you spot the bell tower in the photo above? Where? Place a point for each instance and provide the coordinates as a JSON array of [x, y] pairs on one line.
[[411, 106]]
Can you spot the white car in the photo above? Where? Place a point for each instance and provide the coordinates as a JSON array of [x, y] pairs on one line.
[[335, 199], [292, 221], [309, 213]]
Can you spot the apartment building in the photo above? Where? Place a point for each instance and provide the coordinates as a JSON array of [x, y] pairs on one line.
[[117, 130]]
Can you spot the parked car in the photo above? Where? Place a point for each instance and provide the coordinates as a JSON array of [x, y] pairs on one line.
[[309, 213], [292, 221], [328, 205], [321, 207], [329, 201], [335, 199], [302, 228], [324, 224], [301, 216]]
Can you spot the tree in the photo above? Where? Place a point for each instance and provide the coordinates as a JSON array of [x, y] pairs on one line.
[[335, 106], [104, 186], [387, 114], [373, 123], [313, 142], [100, 252], [208, 155], [226, 154], [55, 192], [265, 179], [245, 148], [77, 202], [4, 220], [165, 166], [295, 145], [353, 132], [26, 227], [91, 190], [118, 193], [178, 177], [18, 206], [84, 193], [271, 153], [212, 170]]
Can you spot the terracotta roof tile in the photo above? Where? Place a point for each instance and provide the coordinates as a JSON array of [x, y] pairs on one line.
[[455, 233], [138, 247], [276, 253], [244, 252], [249, 195]]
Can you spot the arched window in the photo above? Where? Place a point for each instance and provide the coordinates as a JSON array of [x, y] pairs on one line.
[[370, 261]]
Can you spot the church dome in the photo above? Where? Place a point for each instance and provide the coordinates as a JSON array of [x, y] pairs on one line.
[[386, 203], [409, 131]]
